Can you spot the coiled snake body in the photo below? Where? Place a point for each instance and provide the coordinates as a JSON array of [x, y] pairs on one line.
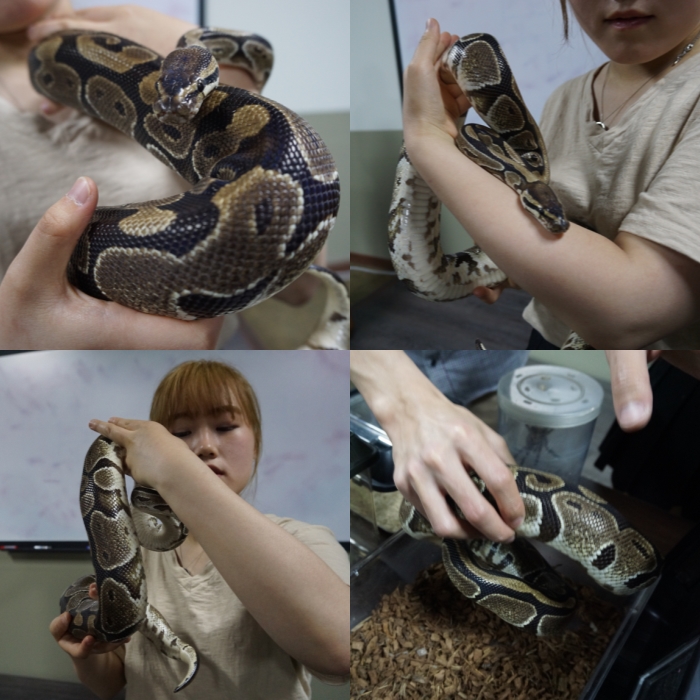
[[115, 531], [265, 187], [516, 583], [510, 148]]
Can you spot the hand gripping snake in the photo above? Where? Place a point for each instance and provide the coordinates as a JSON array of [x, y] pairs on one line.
[[511, 148], [515, 582], [115, 531], [265, 187]]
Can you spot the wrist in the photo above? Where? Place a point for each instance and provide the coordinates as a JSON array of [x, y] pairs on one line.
[[424, 142]]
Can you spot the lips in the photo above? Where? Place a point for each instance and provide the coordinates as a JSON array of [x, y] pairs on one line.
[[628, 20], [216, 470]]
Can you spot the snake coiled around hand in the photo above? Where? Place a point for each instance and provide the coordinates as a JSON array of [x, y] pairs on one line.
[[511, 148], [115, 532], [265, 187], [515, 582]]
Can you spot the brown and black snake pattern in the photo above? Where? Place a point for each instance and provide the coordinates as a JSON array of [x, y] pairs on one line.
[[510, 148], [265, 187], [115, 532], [515, 582]]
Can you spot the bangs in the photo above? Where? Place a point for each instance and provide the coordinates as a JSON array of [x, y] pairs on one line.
[[203, 388]]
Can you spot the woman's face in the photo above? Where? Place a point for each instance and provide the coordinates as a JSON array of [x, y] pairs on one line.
[[638, 31], [223, 441]]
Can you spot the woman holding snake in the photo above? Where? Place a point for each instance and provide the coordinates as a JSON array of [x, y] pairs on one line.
[[261, 598], [623, 144], [39, 309]]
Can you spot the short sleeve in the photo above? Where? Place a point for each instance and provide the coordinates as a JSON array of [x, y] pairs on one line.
[[668, 210], [322, 542]]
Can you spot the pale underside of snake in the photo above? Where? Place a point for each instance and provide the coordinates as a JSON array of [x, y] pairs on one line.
[[515, 582], [115, 530], [511, 148], [265, 187]]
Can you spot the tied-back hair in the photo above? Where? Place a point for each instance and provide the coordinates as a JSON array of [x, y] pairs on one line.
[[565, 16], [200, 387]]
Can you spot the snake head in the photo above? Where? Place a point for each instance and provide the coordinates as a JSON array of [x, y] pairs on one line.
[[539, 199], [187, 76]]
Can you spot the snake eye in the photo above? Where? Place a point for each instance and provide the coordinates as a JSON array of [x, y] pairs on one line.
[[200, 85]]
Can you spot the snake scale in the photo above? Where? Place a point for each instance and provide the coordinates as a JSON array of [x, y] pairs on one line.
[[265, 189], [515, 582], [511, 148], [115, 531]]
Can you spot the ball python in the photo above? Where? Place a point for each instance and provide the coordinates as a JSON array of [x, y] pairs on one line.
[[265, 187], [115, 531], [515, 582], [511, 148]]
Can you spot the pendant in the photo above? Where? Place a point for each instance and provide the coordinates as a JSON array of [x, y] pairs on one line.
[[602, 126]]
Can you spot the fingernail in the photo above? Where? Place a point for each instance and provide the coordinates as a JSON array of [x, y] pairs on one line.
[[429, 24], [92, 424], [509, 540], [632, 414], [517, 523], [80, 192]]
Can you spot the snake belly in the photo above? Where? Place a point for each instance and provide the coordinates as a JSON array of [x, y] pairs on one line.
[[515, 582], [265, 187], [511, 148], [115, 531]]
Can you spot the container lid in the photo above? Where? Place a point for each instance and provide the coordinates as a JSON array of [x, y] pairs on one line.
[[550, 396]]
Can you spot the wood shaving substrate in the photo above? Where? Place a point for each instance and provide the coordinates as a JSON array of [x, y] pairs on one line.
[[426, 642]]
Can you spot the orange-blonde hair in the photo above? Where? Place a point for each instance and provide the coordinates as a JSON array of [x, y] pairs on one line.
[[199, 387]]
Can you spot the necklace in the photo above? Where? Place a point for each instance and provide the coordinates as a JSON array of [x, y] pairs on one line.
[[601, 122], [192, 563]]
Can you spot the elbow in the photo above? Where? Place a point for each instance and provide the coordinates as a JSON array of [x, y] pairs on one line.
[[621, 333], [335, 662], [340, 660]]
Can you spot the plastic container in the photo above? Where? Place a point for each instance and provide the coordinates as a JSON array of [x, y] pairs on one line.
[[546, 414]]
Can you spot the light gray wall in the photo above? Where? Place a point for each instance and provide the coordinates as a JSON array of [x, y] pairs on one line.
[[44, 392]]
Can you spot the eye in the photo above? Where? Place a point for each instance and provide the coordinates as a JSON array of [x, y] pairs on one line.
[[181, 434], [200, 85], [226, 428]]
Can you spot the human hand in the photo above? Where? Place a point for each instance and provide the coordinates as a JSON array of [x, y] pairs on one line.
[[151, 449], [39, 309], [435, 445], [76, 648], [431, 105], [631, 388], [152, 29], [490, 295]]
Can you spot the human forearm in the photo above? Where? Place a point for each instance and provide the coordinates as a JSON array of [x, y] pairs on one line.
[[294, 596], [390, 383], [598, 287]]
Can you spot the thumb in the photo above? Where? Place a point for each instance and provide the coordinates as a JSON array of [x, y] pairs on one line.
[[631, 388], [46, 253]]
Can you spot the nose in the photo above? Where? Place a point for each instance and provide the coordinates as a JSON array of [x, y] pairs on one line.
[[205, 443]]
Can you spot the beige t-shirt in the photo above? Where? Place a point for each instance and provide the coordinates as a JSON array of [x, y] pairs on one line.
[[41, 160], [641, 176], [237, 659]]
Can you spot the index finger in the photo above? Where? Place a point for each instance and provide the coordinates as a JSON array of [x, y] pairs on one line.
[[109, 430], [127, 423]]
